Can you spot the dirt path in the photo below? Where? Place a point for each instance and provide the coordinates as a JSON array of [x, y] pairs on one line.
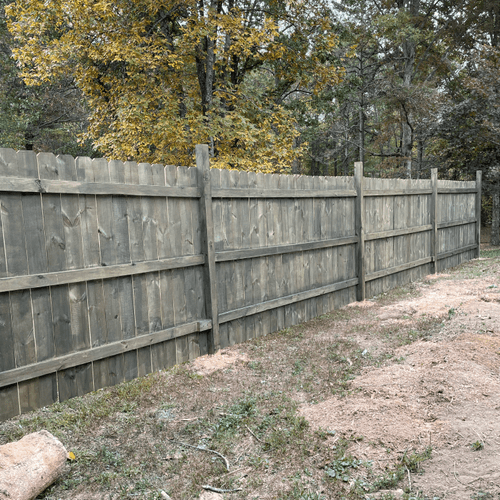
[[444, 393]]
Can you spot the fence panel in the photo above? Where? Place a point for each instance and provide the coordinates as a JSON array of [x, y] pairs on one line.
[[282, 244], [112, 270], [102, 275], [457, 221], [398, 229]]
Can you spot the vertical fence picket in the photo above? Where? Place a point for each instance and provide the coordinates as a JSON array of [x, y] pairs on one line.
[[263, 320], [105, 369], [278, 260], [238, 265], [434, 221], [252, 267], [246, 266], [181, 281], [52, 168], [220, 238], [126, 363], [287, 270], [192, 206], [305, 279], [143, 247], [78, 380], [163, 355], [91, 257]]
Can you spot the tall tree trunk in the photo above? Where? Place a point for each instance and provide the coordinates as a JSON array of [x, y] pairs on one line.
[[205, 58], [495, 23], [361, 113], [314, 161], [295, 162], [420, 157], [361, 132], [205, 62], [210, 64], [495, 216], [346, 151], [407, 131], [408, 70], [29, 139]]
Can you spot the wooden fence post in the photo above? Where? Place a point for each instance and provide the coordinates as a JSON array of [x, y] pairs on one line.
[[360, 218], [434, 219], [479, 176], [207, 232]]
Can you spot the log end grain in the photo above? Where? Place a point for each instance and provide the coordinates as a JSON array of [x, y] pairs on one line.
[[30, 465]]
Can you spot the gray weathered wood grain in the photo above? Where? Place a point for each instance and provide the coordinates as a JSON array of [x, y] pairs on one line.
[[102, 265], [360, 215], [79, 381], [104, 374], [80, 358], [228, 274], [52, 185], [246, 241]]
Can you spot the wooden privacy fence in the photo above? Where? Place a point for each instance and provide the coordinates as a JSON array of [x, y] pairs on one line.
[[112, 270]]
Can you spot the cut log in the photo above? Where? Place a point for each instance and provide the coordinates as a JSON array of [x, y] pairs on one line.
[[29, 466]]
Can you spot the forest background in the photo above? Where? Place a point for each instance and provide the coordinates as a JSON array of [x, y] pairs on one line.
[[298, 86]]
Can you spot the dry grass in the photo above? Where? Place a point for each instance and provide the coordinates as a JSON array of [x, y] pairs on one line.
[[127, 439]]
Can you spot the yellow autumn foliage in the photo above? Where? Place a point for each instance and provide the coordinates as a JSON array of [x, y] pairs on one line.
[[161, 76]]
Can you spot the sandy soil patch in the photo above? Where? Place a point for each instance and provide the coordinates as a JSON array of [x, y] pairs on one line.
[[444, 392], [205, 365]]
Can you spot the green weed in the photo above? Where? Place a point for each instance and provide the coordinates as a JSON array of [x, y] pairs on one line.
[[413, 461], [302, 491], [478, 445], [389, 480], [298, 368], [292, 428], [483, 495], [393, 477], [340, 469]]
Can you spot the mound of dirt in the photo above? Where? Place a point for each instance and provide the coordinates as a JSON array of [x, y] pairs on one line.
[[445, 392], [204, 365]]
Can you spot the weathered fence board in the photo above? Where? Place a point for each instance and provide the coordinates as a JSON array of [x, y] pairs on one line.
[[398, 232], [112, 270]]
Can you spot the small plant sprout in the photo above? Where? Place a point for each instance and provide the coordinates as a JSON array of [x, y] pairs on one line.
[[478, 445]]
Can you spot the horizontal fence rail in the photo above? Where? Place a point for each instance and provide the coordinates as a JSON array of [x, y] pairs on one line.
[[96, 188], [251, 253], [278, 193], [112, 270], [97, 273]]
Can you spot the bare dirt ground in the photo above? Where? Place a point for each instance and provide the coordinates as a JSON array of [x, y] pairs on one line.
[[445, 394], [366, 392]]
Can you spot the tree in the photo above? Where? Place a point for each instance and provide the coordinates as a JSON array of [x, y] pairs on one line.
[[469, 131], [162, 76], [47, 117], [406, 52]]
